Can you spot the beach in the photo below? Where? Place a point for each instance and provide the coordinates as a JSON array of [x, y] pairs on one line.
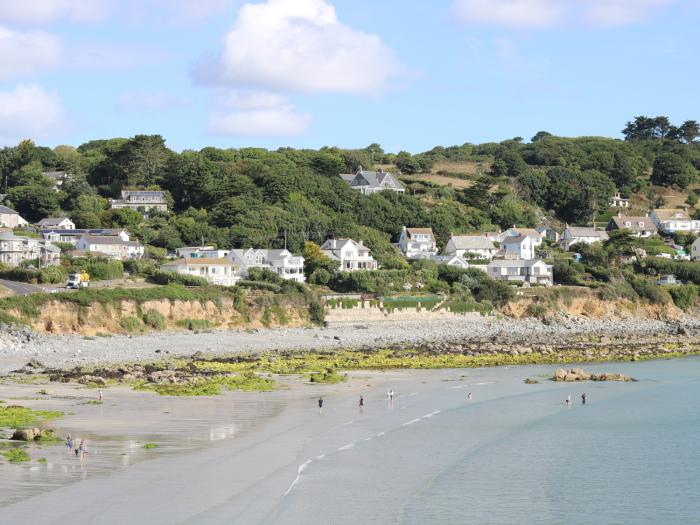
[[515, 452]]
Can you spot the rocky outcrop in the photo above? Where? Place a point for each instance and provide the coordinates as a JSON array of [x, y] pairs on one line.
[[577, 374], [32, 434]]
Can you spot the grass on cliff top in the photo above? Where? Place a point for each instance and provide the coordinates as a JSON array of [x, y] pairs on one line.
[[21, 417]]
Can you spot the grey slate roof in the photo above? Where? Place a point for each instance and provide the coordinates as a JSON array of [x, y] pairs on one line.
[[472, 242], [637, 224], [5, 210]]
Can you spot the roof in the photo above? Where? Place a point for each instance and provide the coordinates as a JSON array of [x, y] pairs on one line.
[[52, 220], [348, 177], [636, 223], [518, 263], [5, 210], [9, 236], [515, 240], [108, 239], [472, 242], [202, 261], [376, 179], [579, 231], [665, 214], [419, 231], [112, 232], [527, 232], [337, 244], [155, 193]]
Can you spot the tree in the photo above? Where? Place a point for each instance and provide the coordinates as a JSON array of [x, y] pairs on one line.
[[670, 169], [31, 174], [540, 135], [121, 218], [143, 160], [33, 202], [407, 163], [316, 261], [688, 132]]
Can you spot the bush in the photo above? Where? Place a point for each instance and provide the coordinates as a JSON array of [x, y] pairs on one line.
[[320, 276], [154, 319], [165, 277], [140, 267], [20, 275], [264, 275], [52, 275], [131, 324], [650, 291], [260, 285], [317, 313], [684, 296], [101, 270], [495, 292], [195, 324]]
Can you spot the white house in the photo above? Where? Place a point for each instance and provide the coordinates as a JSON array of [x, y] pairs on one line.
[[281, 262], [60, 223], [514, 232], [548, 233], [145, 200], [637, 226], [349, 254], [417, 243], [533, 271], [222, 272], [73, 236], [450, 260], [520, 247], [110, 246], [695, 250], [672, 221], [15, 249], [367, 182], [192, 251], [471, 247], [9, 218], [619, 202], [11, 249], [574, 234]]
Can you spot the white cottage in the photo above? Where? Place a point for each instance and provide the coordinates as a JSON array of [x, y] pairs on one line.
[[518, 270], [471, 247], [216, 271], [574, 235], [281, 262], [349, 254], [520, 247], [60, 223], [672, 221], [417, 243]]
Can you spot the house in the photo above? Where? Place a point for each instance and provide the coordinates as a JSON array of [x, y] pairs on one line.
[[619, 202], [548, 233], [417, 243], [575, 234], [514, 232], [15, 249], [213, 253], [9, 218], [222, 272], [367, 182], [674, 220], [56, 177], [192, 251], [471, 247], [281, 262], [638, 226], [111, 245], [349, 254], [60, 223], [73, 236], [520, 247], [141, 200], [533, 271], [695, 250], [450, 260], [668, 280]]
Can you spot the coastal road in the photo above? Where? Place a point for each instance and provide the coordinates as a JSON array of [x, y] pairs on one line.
[[21, 288]]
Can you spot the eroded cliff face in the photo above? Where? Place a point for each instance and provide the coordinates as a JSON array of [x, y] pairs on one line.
[[127, 316]]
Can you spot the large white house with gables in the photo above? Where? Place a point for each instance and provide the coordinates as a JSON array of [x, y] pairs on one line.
[[349, 254], [281, 262], [672, 221], [576, 234], [417, 243], [141, 200], [518, 270], [367, 182]]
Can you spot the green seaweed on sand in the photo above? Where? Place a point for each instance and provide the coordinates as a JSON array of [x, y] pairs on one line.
[[211, 386], [19, 417], [15, 455], [149, 446], [327, 376]]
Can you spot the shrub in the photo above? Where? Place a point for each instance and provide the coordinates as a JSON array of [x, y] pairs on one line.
[[495, 292], [264, 275], [650, 291], [101, 270], [154, 319], [684, 296], [195, 324], [320, 276], [317, 314], [131, 324], [20, 275], [166, 277], [140, 267], [260, 285], [52, 275], [537, 310]]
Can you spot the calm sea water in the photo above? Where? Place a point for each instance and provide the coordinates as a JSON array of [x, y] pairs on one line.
[[514, 454]]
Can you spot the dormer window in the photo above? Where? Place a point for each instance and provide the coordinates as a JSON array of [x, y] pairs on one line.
[[628, 224]]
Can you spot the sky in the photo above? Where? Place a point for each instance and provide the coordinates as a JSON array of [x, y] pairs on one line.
[[406, 74]]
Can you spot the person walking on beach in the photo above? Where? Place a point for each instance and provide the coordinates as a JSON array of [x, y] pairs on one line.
[[69, 443], [583, 398], [320, 405], [82, 449], [100, 396], [469, 396]]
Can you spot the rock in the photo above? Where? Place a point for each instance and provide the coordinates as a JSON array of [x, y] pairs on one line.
[[559, 374], [198, 355], [35, 363], [529, 381], [92, 380], [26, 434]]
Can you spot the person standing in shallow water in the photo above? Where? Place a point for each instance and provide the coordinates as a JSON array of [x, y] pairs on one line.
[[320, 405], [362, 403], [583, 398]]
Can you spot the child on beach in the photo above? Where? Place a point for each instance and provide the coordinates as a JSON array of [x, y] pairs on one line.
[[320, 405], [100, 396], [69, 443]]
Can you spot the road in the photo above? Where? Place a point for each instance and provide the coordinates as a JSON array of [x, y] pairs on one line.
[[18, 288]]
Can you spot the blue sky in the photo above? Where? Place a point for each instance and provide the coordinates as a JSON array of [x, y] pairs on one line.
[[308, 73]]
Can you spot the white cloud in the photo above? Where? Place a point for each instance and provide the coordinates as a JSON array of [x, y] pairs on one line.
[[142, 100], [24, 54], [281, 121], [191, 11], [42, 11], [299, 46], [29, 112], [250, 100], [539, 14]]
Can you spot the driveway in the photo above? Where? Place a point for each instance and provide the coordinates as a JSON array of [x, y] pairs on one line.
[[18, 288]]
